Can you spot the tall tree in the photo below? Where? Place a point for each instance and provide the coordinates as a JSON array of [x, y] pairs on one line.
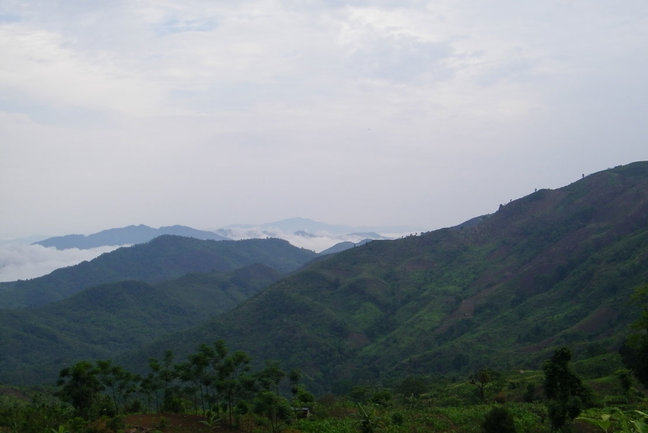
[[274, 409], [161, 379], [566, 394], [634, 351], [270, 377], [234, 382], [482, 379], [80, 385], [195, 372]]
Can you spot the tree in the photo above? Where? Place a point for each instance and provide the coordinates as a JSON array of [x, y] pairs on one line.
[[300, 395], [79, 385], [634, 351], [160, 379], [294, 376], [483, 378], [194, 372], [566, 395], [412, 386], [274, 408], [234, 382], [215, 356], [117, 382], [270, 377]]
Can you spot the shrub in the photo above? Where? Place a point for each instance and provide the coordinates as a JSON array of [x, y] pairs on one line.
[[498, 420]]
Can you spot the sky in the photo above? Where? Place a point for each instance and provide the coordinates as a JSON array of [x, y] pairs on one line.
[[210, 113]]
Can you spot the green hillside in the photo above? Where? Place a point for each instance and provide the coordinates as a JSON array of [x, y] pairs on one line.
[[163, 258], [555, 267], [35, 343]]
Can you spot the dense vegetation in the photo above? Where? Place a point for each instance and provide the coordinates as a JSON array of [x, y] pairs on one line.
[[113, 318]]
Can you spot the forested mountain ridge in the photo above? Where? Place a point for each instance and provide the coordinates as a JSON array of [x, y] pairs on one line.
[[555, 267], [97, 323], [163, 258]]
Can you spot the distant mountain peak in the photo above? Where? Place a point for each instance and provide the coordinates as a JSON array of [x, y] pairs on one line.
[[129, 235]]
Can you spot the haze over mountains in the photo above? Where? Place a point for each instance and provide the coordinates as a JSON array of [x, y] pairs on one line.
[[502, 290], [302, 232], [21, 261], [125, 236]]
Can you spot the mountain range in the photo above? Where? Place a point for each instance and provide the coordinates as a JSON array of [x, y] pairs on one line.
[[553, 268], [125, 236], [302, 232], [556, 267], [163, 258]]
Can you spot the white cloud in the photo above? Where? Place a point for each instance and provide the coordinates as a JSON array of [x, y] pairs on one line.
[[31, 261], [40, 69]]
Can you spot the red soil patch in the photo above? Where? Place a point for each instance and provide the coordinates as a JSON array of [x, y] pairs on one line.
[[358, 339], [599, 318]]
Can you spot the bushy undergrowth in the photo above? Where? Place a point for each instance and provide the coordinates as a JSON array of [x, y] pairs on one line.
[[527, 417], [234, 396]]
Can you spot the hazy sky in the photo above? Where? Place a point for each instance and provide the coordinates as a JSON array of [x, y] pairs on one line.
[[208, 113]]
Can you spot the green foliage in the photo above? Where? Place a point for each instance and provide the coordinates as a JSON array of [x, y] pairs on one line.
[[484, 379], [566, 395], [273, 409], [273, 412], [619, 421], [369, 420], [41, 414], [634, 351], [80, 386], [104, 320], [412, 386]]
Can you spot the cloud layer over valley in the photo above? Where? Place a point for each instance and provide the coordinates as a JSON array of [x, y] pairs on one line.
[[20, 261]]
